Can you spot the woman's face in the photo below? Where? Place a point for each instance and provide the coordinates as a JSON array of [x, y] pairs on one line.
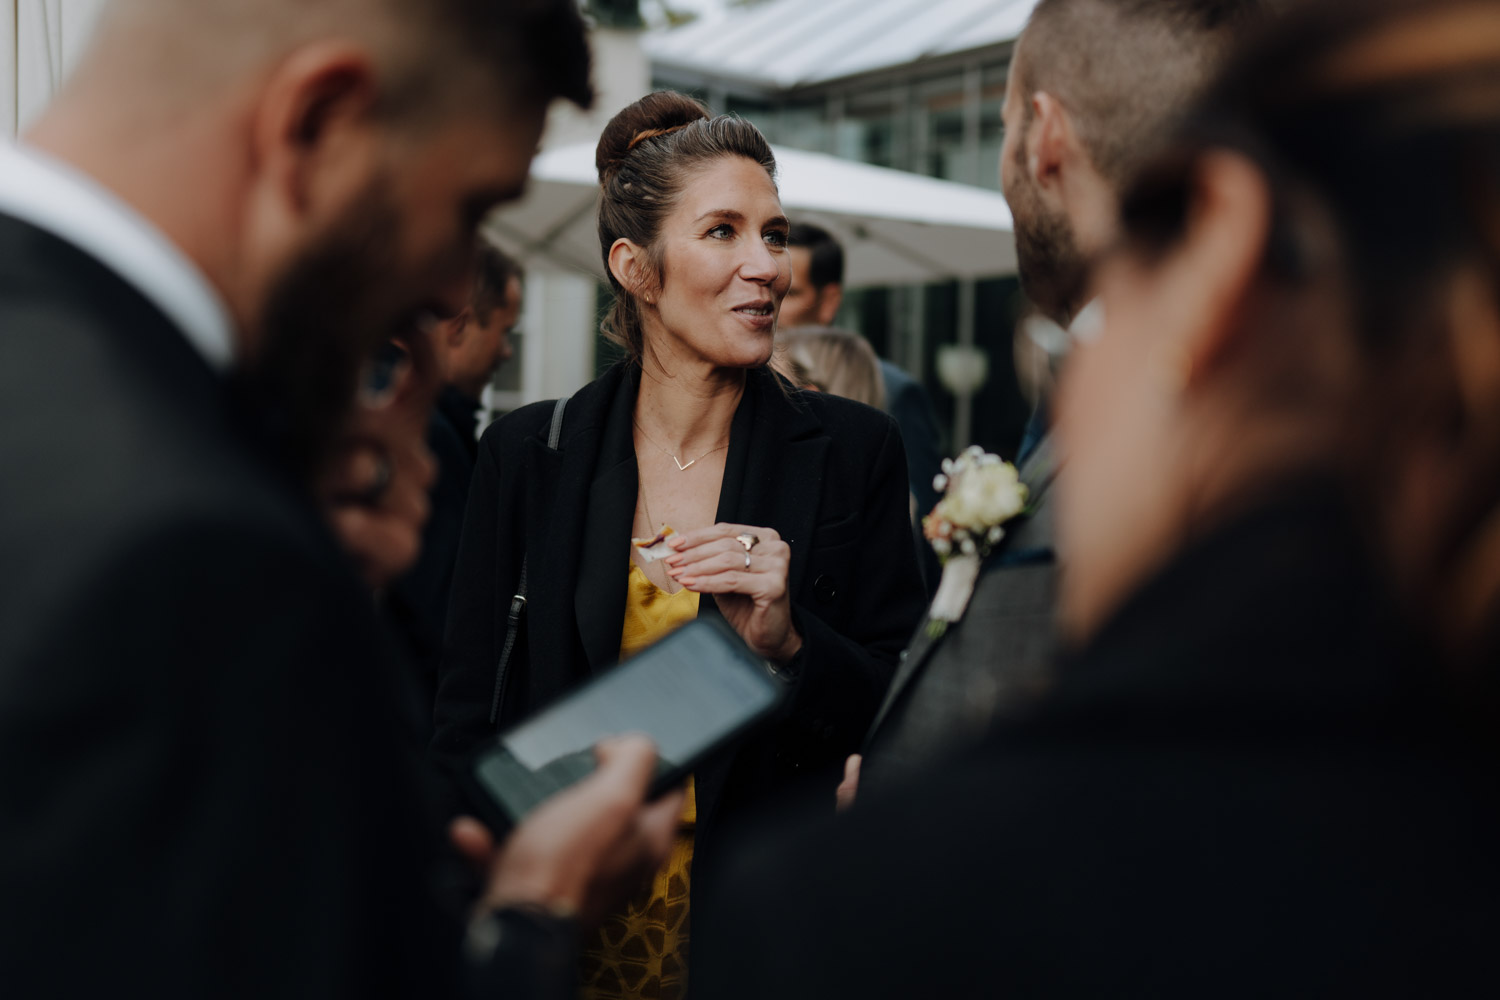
[[725, 268]]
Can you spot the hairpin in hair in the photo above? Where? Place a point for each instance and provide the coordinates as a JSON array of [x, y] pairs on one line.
[[652, 133]]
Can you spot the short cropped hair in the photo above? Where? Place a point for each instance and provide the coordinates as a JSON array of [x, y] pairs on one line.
[[494, 269], [827, 256], [1126, 70], [516, 50]]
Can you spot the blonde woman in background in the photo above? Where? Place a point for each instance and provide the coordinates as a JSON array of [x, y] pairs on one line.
[[837, 362]]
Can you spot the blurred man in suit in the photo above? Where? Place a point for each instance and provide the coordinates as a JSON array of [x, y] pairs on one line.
[[211, 781], [476, 342], [469, 347], [1070, 146], [817, 292]]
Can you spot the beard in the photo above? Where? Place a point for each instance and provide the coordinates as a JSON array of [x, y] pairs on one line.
[[1053, 273], [325, 318]]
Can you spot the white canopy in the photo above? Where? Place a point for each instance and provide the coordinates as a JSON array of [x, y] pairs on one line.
[[896, 227]]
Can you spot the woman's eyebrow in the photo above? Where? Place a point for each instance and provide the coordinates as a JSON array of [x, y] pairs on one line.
[[722, 213]]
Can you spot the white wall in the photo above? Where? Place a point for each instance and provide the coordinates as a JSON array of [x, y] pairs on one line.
[[40, 41]]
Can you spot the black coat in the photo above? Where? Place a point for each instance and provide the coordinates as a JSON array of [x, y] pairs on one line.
[[828, 474], [1247, 786], [209, 778]]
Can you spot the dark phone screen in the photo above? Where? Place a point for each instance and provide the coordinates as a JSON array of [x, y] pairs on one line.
[[687, 692]]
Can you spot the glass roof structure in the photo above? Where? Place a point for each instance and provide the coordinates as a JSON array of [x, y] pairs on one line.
[[788, 44]]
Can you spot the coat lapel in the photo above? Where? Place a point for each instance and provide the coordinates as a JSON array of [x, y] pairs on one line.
[[780, 473], [1034, 533], [557, 504], [599, 588]]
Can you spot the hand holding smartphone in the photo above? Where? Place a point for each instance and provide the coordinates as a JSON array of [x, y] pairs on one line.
[[693, 692]]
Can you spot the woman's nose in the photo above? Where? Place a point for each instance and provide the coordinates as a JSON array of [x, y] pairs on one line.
[[761, 265]]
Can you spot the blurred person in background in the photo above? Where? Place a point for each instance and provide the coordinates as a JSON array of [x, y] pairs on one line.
[[1267, 764], [469, 348], [789, 510], [817, 292], [1094, 86], [837, 361], [211, 785], [477, 341]]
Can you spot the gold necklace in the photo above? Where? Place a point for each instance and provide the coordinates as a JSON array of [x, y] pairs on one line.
[[672, 454]]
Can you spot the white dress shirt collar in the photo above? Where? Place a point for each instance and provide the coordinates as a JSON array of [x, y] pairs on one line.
[[53, 196]]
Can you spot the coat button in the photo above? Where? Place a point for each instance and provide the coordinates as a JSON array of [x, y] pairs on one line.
[[825, 589]]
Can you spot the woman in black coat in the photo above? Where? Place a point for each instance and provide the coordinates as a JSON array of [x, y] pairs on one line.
[[790, 508]]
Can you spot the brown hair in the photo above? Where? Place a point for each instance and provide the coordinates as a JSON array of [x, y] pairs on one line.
[[1383, 117], [838, 362], [493, 271], [644, 158]]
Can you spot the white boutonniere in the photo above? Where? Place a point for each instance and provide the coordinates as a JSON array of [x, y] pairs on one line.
[[980, 493]]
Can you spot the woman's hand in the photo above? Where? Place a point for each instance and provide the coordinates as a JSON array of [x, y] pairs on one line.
[[752, 598]]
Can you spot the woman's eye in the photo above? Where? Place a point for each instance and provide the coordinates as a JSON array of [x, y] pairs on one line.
[[776, 237], [722, 231]]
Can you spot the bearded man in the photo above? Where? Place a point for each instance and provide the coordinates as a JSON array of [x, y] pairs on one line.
[[209, 784], [1094, 85]]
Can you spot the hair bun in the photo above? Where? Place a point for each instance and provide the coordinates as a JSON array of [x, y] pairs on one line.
[[653, 115]]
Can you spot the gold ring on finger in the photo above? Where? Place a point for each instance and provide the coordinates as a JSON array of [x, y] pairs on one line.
[[748, 540]]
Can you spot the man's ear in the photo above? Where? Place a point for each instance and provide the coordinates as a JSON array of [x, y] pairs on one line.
[[627, 262], [1213, 268], [1051, 143], [457, 330], [830, 297], [312, 129]]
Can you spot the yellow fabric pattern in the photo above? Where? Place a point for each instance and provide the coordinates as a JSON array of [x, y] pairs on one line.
[[640, 952]]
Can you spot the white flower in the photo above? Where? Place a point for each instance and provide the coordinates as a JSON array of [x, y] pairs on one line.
[[980, 492]]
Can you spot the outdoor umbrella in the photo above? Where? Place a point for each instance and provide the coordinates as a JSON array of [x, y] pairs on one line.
[[897, 228]]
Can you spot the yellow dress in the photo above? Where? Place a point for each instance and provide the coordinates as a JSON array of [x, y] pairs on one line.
[[640, 951]]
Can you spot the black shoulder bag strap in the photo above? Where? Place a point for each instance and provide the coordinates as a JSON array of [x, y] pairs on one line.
[[518, 602]]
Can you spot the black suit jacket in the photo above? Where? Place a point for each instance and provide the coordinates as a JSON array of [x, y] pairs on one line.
[[951, 686], [908, 404], [828, 474], [1247, 786], [208, 770], [416, 605]]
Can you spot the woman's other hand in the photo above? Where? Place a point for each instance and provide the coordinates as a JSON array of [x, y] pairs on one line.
[[751, 592]]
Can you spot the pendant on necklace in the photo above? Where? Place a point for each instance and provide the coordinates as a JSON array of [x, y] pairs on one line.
[[684, 468]]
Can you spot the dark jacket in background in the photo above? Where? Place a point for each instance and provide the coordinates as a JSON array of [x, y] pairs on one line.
[[907, 403], [827, 473], [1246, 786], [416, 605], [209, 783], [950, 686], [461, 412]]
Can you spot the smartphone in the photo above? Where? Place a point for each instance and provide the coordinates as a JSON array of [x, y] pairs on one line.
[[693, 692]]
